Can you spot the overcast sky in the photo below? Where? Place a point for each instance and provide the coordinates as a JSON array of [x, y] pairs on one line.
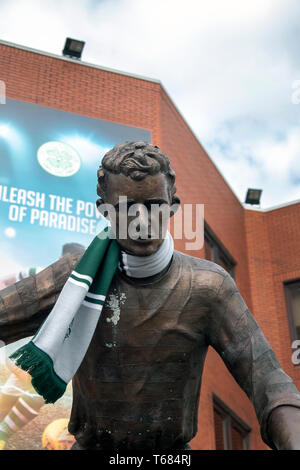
[[229, 66]]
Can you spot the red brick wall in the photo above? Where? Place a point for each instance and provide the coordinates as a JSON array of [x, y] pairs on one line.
[[76, 88], [247, 235], [274, 257]]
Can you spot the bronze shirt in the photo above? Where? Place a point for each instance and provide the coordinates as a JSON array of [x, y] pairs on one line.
[[139, 383]]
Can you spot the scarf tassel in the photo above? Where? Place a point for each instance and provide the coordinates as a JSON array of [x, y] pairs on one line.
[[40, 366]]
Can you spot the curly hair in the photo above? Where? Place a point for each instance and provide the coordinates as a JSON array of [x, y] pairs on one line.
[[136, 160]]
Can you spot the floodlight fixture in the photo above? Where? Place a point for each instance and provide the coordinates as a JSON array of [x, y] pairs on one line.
[[73, 48], [253, 196]]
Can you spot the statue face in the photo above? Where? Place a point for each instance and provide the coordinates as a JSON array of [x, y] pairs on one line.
[[143, 199]]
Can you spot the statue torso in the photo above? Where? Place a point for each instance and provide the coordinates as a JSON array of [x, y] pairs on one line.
[[138, 385]]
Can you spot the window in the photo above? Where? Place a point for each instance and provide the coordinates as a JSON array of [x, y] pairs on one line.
[[292, 295], [215, 251], [230, 432]]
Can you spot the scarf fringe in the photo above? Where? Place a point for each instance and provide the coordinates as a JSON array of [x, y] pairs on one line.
[[40, 366]]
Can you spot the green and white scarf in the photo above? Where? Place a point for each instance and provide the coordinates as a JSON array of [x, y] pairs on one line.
[[56, 351]]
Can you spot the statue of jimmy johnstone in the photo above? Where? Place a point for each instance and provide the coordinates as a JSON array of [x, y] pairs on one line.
[[131, 321]]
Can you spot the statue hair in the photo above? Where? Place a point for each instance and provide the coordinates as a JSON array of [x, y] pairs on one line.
[[136, 160]]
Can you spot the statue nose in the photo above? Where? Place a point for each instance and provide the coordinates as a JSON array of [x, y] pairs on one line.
[[143, 219]]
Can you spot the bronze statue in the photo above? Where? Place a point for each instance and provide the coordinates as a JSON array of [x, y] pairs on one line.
[[138, 385]]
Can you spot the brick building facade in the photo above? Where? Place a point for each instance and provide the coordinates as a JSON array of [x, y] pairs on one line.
[[264, 244]]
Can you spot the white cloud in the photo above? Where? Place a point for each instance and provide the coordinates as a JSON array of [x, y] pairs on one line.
[[280, 158], [269, 163]]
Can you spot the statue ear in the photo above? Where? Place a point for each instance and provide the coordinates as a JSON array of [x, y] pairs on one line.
[[175, 205]]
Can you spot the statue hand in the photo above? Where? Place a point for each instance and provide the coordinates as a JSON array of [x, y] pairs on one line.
[[284, 427]]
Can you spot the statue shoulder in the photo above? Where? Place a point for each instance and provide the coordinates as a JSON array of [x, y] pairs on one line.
[[206, 276]]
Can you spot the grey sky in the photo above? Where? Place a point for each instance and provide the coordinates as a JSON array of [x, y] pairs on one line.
[[229, 66]]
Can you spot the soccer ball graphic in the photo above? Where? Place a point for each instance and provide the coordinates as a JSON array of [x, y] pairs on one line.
[[56, 436]]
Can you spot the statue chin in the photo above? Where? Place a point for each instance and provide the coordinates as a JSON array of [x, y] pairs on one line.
[[140, 247]]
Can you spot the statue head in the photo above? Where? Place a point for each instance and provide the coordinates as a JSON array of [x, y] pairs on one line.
[[140, 174]]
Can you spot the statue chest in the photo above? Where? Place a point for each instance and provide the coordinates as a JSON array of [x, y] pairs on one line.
[[143, 336]]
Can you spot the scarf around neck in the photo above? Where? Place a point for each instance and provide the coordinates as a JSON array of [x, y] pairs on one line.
[[146, 266], [56, 351]]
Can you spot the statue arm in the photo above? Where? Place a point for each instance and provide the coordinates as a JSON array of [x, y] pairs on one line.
[[284, 427], [25, 304], [236, 336]]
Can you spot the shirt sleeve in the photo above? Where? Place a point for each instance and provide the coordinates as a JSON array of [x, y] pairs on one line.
[[25, 304], [236, 336]]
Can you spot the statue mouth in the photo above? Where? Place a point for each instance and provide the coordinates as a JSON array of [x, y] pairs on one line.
[[144, 240]]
